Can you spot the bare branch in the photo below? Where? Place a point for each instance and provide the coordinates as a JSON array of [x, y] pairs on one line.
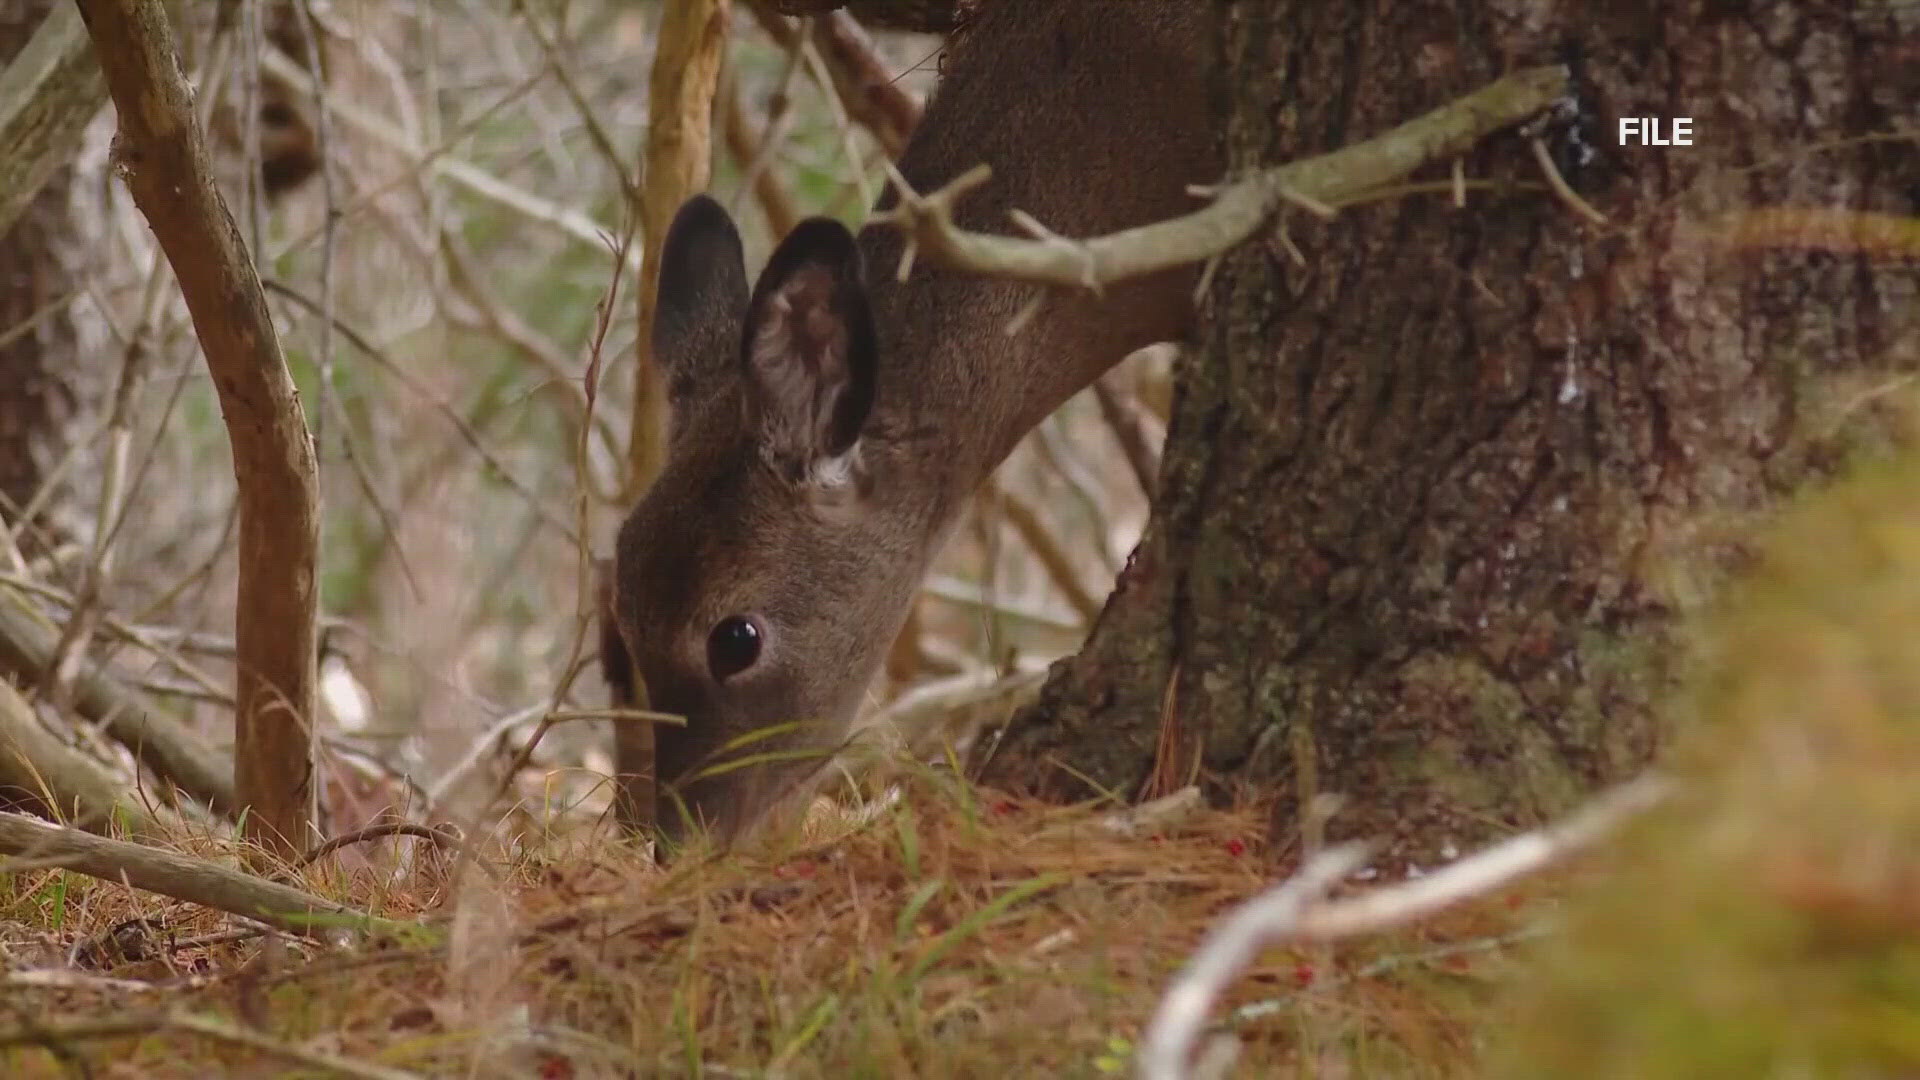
[[1478, 874], [867, 94], [548, 516], [1289, 912], [746, 149], [196, 881], [163, 159], [438, 836], [1048, 548], [438, 160], [1183, 1011], [686, 73], [1238, 210], [1561, 188], [172, 750], [57, 778], [1127, 420]]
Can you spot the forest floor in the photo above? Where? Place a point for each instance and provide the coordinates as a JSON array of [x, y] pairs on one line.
[[954, 934]]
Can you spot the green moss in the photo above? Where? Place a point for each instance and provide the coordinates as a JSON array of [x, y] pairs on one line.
[[1767, 924]]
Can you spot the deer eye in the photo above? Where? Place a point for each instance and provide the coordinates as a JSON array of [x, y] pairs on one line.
[[733, 647]]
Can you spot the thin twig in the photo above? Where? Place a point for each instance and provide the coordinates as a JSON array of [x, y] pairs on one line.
[[842, 120], [780, 112], [1183, 1011], [1056, 451], [1124, 419], [330, 228], [589, 119], [1560, 187], [171, 749], [1053, 555], [1482, 872], [439, 837], [440, 160], [749, 154], [477, 750], [871, 97], [412, 382], [76, 636]]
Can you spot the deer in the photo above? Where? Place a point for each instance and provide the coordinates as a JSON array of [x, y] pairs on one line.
[[829, 421]]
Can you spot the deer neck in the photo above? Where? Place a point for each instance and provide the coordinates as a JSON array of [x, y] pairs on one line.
[[1094, 117]]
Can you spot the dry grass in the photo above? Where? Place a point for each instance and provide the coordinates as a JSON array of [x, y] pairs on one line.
[[950, 937]]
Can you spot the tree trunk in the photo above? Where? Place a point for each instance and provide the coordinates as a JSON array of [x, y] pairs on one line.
[[36, 399], [1433, 500], [38, 254]]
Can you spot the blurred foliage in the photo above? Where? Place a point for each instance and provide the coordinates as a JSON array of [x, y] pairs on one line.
[[1767, 924]]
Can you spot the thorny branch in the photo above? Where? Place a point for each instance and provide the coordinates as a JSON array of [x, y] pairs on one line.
[[1238, 209]]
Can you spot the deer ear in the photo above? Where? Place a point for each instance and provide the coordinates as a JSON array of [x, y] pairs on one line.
[[809, 350], [702, 297]]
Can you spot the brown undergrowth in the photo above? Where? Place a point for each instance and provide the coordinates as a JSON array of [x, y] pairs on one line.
[[956, 934]]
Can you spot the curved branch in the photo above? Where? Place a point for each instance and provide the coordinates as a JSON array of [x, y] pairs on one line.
[[1238, 210], [1294, 911], [62, 1032], [163, 159], [439, 837]]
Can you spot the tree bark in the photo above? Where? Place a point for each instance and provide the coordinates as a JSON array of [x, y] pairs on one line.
[[1433, 500], [49, 89]]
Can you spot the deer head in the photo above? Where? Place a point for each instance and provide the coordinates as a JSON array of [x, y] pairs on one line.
[[827, 429], [736, 571]]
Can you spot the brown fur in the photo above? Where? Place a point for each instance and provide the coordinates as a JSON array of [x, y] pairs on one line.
[[1094, 117]]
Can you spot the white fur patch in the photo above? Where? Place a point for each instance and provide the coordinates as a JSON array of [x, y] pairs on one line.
[[835, 472], [775, 338]]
